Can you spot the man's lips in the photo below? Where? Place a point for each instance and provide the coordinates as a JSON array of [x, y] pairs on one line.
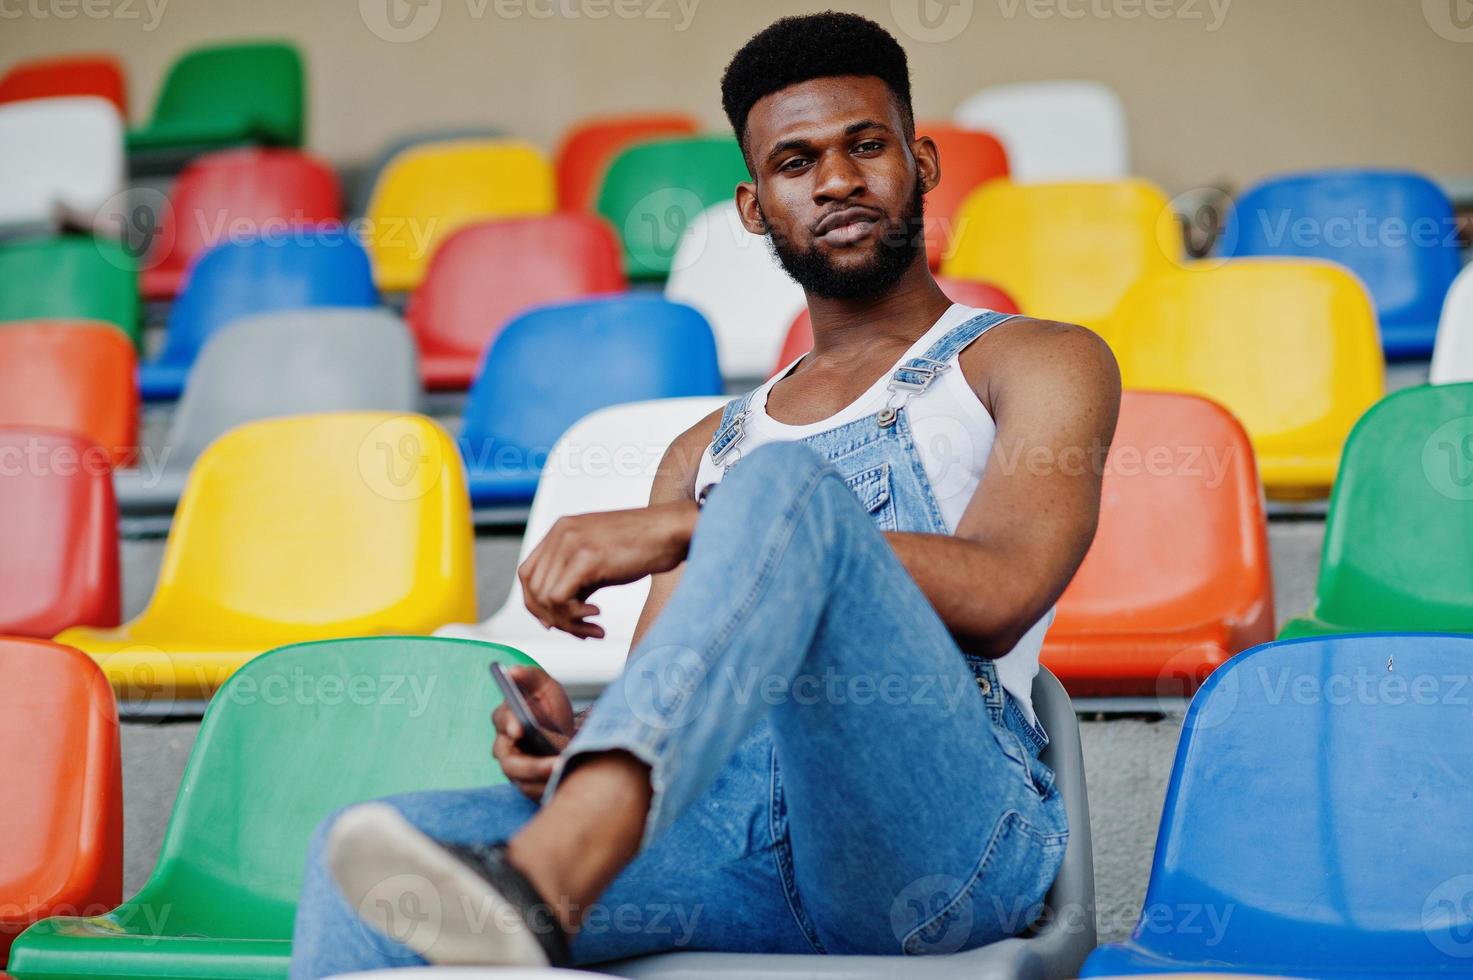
[[847, 225]]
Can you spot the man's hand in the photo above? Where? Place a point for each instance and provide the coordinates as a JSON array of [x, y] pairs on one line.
[[554, 712], [584, 553]]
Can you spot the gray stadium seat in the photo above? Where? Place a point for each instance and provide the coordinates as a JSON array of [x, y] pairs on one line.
[[274, 364]]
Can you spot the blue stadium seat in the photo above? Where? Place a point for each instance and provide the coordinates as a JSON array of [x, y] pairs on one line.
[[554, 364], [1394, 229], [291, 270], [1316, 822]]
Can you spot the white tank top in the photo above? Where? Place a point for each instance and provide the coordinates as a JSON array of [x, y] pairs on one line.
[[953, 434]]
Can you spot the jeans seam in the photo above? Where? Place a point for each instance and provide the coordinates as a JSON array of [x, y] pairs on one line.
[[782, 858]]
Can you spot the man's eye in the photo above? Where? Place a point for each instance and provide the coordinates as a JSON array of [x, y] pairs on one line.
[[870, 146], [793, 163]]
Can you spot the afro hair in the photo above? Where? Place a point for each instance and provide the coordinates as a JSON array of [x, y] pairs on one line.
[[798, 49]]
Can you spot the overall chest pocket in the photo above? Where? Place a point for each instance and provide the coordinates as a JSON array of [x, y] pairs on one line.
[[872, 487]]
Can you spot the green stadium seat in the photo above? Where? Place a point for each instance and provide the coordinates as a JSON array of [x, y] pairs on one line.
[[224, 95], [266, 768], [1398, 553], [653, 190], [70, 278]]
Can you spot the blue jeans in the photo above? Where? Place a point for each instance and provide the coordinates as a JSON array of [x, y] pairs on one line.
[[831, 773]]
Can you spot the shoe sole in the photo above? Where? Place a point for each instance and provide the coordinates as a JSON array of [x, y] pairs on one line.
[[416, 893]]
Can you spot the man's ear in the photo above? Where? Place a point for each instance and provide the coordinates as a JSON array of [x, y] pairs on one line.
[[750, 211], [928, 162]]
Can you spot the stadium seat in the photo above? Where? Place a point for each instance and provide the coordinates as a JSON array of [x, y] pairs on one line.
[[652, 190], [555, 364], [99, 75], [731, 276], [1063, 936], [61, 814], [59, 566], [486, 273], [1054, 130], [1452, 359], [969, 159], [1177, 579], [71, 376], [1064, 251], [70, 278], [431, 190], [586, 149], [288, 270], [1315, 823], [292, 529], [270, 762], [619, 449], [231, 193], [224, 95], [368, 178], [1393, 229], [968, 292], [1398, 551], [1287, 345], [295, 362], [62, 163]]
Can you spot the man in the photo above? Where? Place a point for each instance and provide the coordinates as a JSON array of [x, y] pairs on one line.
[[824, 740]]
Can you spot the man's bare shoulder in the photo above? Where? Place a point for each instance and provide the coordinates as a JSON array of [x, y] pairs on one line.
[[1070, 360], [682, 460]]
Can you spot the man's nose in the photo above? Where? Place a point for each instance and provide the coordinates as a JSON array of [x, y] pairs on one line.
[[837, 179]]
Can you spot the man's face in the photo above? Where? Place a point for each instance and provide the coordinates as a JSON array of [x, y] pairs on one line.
[[838, 186]]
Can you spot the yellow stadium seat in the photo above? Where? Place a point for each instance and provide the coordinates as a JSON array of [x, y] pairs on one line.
[[1289, 346], [1064, 251], [430, 190], [303, 528]]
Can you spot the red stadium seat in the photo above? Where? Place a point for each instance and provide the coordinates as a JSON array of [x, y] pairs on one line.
[[587, 148], [46, 78], [1177, 579], [73, 375], [236, 192], [970, 292], [58, 522], [484, 275], [968, 159], [61, 812]]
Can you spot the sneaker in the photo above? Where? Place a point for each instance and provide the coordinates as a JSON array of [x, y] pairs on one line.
[[450, 903]]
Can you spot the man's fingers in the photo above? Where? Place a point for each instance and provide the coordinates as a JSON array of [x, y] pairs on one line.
[[523, 768]]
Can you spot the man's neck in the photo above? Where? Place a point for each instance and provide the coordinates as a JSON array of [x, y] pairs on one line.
[[905, 312]]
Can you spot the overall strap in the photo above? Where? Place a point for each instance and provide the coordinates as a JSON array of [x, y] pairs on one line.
[[729, 433], [917, 373]]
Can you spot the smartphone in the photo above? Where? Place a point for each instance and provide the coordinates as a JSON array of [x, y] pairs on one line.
[[534, 740]]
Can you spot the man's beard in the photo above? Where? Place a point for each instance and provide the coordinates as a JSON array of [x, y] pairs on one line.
[[899, 242]]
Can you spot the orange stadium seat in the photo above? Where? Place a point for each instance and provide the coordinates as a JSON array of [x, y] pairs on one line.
[[48, 78], [969, 159]]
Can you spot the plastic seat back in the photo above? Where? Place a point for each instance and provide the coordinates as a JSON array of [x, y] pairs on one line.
[[59, 523], [229, 93], [486, 273], [220, 195], [1054, 130], [1395, 230], [48, 78], [652, 190], [1288, 346], [298, 269], [1064, 251], [1297, 761], [554, 365], [62, 811], [1398, 552], [732, 277], [76, 377], [969, 292], [63, 160], [69, 278], [368, 179], [1452, 360], [429, 191], [267, 766], [317, 526], [969, 159], [1180, 561], [586, 149], [294, 362]]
